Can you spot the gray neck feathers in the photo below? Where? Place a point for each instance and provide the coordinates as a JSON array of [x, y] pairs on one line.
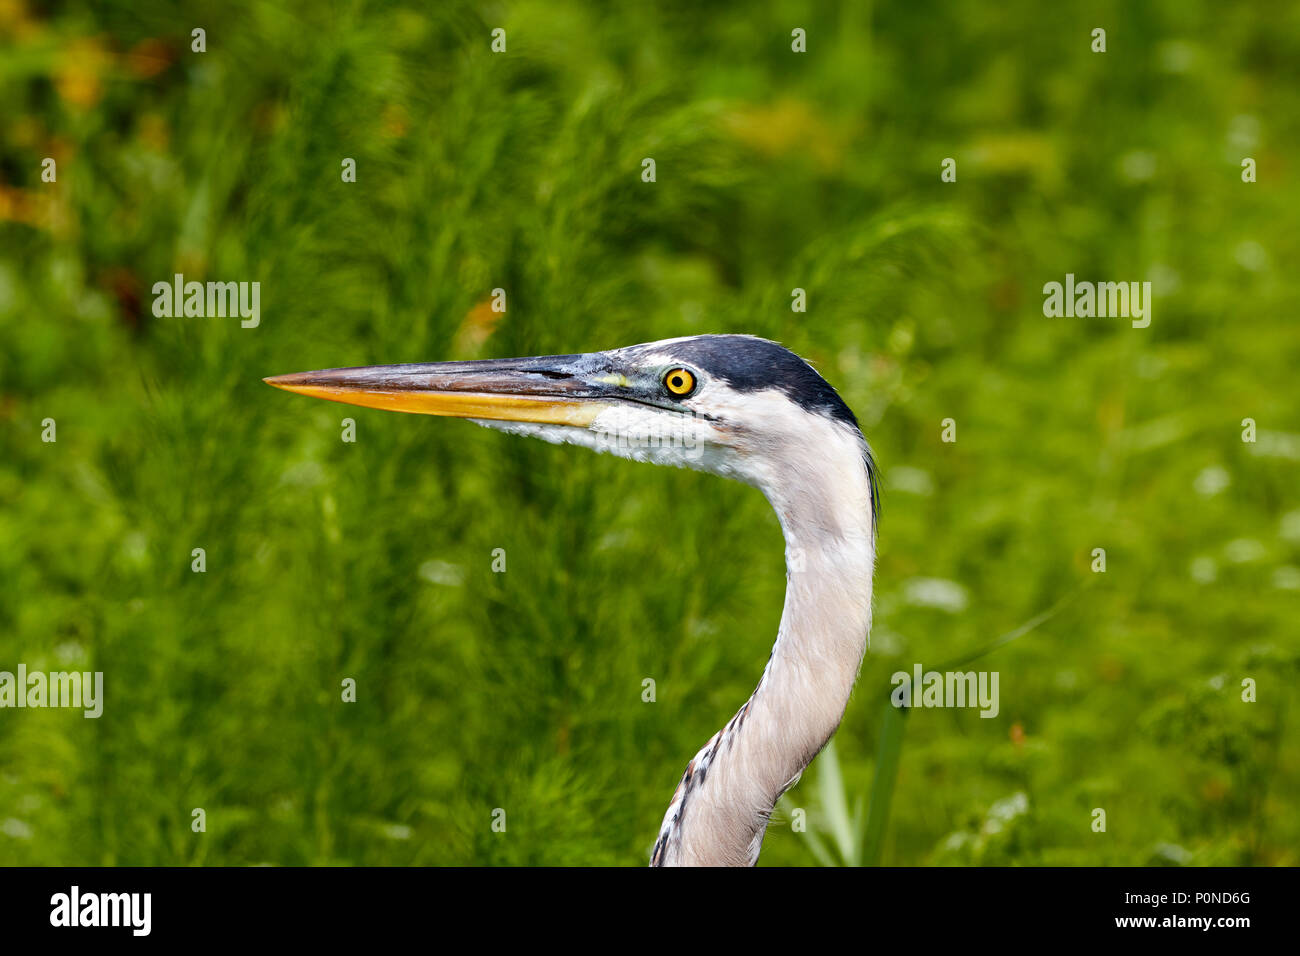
[[720, 811]]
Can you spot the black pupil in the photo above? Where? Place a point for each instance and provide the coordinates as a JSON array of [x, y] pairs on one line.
[[677, 381]]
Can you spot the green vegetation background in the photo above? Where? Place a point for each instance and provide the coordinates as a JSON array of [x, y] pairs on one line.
[[775, 170]]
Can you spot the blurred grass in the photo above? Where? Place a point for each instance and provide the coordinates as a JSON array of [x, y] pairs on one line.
[[522, 691]]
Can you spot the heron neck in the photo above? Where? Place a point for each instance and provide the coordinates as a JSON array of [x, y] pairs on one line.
[[730, 789]]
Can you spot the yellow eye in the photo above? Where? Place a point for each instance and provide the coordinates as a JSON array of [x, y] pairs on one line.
[[680, 382]]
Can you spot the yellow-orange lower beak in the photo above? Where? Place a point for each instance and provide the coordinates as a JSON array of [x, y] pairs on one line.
[[548, 390]]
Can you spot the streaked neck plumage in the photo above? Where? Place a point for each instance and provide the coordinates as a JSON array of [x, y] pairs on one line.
[[823, 494]]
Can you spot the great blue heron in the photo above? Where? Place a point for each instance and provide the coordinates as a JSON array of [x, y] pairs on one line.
[[736, 406]]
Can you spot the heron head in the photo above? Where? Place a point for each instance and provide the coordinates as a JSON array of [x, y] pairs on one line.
[[734, 405]]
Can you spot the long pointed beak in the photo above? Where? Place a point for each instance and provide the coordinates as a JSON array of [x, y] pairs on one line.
[[551, 389]]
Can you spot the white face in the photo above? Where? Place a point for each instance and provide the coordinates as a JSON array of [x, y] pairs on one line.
[[698, 431]]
